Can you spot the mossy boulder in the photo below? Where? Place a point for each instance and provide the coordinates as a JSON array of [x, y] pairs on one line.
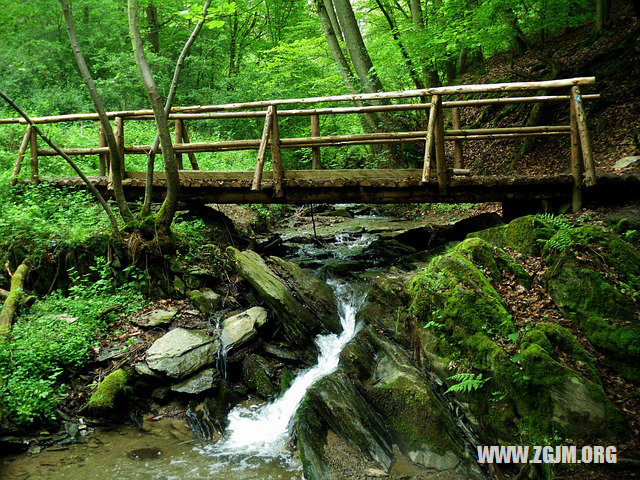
[[589, 268], [109, 391], [206, 300], [525, 234], [256, 374], [305, 306]]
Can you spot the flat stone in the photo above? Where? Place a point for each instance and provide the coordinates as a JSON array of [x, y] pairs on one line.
[[181, 352], [239, 329], [156, 317], [143, 370], [626, 162], [198, 383]]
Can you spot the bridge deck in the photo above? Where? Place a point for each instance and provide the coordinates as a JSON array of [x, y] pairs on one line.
[[370, 186]]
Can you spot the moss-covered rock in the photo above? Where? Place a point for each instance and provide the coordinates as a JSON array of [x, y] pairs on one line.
[[525, 234], [109, 390], [286, 379], [256, 375]]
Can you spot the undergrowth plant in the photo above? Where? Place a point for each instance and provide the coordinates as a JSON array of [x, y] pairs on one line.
[[56, 335]]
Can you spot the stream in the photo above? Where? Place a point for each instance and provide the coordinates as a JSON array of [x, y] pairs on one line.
[[257, 440]]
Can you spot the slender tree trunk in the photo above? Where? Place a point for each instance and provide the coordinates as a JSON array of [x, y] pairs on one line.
[[148, 192], [94, 191], [371, 120], [462, 61], [357, 50], [169, 206], [154, 28], [328, 4], [233, 39], [603, 8], [116, 166], [417, 81]]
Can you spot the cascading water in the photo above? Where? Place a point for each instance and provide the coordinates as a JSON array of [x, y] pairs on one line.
[[264, 431]]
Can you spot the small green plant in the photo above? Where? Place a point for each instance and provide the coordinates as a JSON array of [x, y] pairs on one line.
[[467, 382]]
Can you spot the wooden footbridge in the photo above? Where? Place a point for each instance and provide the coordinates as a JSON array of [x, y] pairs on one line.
[[440, 180]]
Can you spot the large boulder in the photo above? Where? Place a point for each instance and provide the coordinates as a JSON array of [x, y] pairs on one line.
[[110, 389], [198, 383], [304, 305], [239, 329], [256, 375], [181, 352]]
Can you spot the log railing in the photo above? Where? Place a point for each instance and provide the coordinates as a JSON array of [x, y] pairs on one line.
[[435, 166]]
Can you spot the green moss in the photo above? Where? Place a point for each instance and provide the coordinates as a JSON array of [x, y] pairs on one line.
[[286, 378], [525, 234], [255, 374], [108, 391]]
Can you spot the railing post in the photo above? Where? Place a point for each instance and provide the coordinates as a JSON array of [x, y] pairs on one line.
[[276, 159], [34, 157], [102, 157], [179, 135], [428, 149], [577, 170], [316, 162], [23, 148], [585, 141], [458, 159], [118, 131], [441, 163], [191, 155], [256, 185]]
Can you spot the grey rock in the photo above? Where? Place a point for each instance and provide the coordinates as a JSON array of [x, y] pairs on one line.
[[143, 370], [626, 162], [181, 352], [206, 300], [239, 329], [156, 317], [200, 382], [179, 284]]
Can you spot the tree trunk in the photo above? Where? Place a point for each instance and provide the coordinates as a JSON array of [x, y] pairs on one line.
[[371, 121], [13, 300], [603, 8], [116, 167], [154, 28], [357, 50], [419, 84], [148, 192], [335, 25], [169, 206], [233, 39]]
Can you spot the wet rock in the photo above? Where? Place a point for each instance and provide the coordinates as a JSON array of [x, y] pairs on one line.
[[155, 318], [161, 394], [239, 329], [109, 390], [386, 250], [198, 383], [286, 379], [206, 300], [256, 373], [283, 353], [310, 311], [181, 352]]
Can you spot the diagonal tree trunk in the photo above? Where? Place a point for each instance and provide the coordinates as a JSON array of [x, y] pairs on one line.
[[116, 166], [90, 186], [148, 191], [168, 209]]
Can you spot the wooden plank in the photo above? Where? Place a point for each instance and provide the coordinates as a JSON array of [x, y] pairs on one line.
[[577, 170], [316, 162], [26, 139], [441, 161], [262, 149], [276, 159], [585, 141], [457, 145], [34, 156], [428, 149]]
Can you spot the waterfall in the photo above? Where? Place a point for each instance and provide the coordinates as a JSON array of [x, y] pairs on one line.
[[264, 431]]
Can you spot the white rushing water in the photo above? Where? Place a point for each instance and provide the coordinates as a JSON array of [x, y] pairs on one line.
[[264, 431]]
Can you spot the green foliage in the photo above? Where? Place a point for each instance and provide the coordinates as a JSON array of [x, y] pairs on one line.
[[55, 334], [467, 382], [40, 219]]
